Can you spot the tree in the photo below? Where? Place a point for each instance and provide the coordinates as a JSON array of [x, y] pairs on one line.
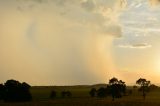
[[102, 92], [113, 81], [66, 94], [53, 94], [117, 87], [122, 86], [2, 91], [92, 92], [144, 85], [16, 91], [153, 87], [134, 87]]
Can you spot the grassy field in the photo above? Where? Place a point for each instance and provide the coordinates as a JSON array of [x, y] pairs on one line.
[[81, 97]]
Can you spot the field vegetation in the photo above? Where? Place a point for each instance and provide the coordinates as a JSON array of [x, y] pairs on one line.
[[80, 95]]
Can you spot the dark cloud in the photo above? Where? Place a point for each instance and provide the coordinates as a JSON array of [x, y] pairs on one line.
[[88, 5], [136, 46], [89, 12]]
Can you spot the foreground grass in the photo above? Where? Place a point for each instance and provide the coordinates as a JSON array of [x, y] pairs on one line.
[[81, 98], [86, 102]]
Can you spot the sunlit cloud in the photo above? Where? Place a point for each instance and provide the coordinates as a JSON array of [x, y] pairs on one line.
[[154, 2]]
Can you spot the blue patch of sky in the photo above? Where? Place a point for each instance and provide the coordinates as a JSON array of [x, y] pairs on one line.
[[136, 22]]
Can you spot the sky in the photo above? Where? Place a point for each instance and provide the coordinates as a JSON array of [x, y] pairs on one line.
[[76, 42]]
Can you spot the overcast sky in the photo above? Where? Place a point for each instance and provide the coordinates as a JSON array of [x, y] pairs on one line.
[[67, 42]]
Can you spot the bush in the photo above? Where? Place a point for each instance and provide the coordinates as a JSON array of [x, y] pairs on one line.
[[14, 91], [93, 92], [102, 92], [2, 91], [53, 94], [66, 94]]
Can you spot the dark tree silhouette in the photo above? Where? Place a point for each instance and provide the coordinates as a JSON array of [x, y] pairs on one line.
[[2, 91], [53, 94], [113, 81], [117, 88], [16, 91], [92, 92], [102, 92], [144, 85], [134, 86], [153, 87], [63, 94], [66, 94], [122, 86]]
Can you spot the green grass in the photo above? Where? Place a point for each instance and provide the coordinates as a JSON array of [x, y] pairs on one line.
[[42, 93], [80, 97]]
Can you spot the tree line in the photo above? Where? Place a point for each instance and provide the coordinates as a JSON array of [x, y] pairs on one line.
[[117, 89], [15, 91]]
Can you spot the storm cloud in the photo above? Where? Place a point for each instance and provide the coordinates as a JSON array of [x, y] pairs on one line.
[[58, 42]]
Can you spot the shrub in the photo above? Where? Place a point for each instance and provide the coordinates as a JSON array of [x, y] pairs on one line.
[[66, 94], [53, 94], [102, 92], [93, 92], [14, 91]]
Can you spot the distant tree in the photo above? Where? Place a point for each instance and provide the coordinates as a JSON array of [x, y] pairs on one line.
[[53, 94], [16, 91], [2, 91], [113, 81], [122, 86], [153, 86], [117, 87], [63, 94], [66, 94], [25, 92], [134, 86], [144, 85], [92, 92], [102, 92]]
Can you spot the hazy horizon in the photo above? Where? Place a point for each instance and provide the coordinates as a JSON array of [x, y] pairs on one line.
[[79, 42]]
